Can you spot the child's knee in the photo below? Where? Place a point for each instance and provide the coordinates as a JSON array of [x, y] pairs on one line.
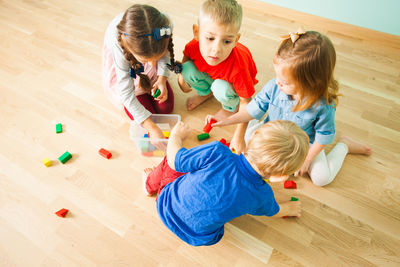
[[200, 81], [225, 94], [320, 177]]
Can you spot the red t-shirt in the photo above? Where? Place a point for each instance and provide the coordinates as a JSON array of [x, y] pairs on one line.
[[238, 69]]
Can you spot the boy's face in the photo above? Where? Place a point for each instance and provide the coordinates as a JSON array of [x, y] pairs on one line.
[[216, 40]]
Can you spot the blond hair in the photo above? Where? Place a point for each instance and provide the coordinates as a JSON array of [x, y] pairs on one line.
[[227, 12], [311, 60], [278, 148]]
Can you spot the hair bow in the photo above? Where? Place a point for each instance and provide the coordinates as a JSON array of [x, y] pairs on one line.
[[159, 33], [175, 67], [293, 35], [133, 72]]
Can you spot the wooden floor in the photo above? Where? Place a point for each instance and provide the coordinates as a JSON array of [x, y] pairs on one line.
[[50, 72]]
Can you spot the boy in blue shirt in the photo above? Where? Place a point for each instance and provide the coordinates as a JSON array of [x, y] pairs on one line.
[[202, 188]]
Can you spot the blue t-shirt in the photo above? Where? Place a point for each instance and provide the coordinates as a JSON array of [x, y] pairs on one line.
[[317, 121], [218, 186]]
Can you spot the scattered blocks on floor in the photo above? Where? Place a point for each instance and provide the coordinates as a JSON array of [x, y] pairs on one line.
[[105, 153], [58, 128], [47, 162], [203, 136], [208, 126], [223, 141], [62, 212], [65, 157], [290, 185]]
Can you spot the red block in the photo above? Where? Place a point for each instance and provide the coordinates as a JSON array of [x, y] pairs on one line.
[[228, 144], [105, 153], [290, 185], [208, 126], [62, 213], [223, 141]]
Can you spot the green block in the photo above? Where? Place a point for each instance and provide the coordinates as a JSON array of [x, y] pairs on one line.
[[157, 93], [58, 128], [294, 199], [203, 136], [65, 157]]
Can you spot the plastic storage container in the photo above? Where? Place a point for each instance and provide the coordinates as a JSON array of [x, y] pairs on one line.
[[138, 134]]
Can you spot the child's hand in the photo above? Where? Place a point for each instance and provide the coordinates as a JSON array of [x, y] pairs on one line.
[[237, 144], [156, 133], [181, 131], [304, 168], [161, 84], [290, 208], [219, 122]]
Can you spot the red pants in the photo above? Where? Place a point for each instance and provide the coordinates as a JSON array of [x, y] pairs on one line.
[[153, 105], [160, 177]]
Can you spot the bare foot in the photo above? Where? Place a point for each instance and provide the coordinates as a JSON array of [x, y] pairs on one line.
[[145, 174], [185, 87], [355, 147], [194, 101]]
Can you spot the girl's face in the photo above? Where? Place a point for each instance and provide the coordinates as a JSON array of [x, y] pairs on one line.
[[284, 78], [150, 60]]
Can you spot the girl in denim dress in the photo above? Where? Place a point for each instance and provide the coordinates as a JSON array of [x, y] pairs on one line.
[[305, 92]]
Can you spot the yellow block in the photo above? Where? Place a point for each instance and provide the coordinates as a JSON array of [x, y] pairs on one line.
[[47, 162], [166, 134]]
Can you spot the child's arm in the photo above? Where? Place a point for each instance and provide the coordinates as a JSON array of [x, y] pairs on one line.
[[237, 143], [239, 117], [178, 134], [315, 149]]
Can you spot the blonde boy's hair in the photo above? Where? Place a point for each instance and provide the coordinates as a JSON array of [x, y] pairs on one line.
[[223, 11], [278, 148]]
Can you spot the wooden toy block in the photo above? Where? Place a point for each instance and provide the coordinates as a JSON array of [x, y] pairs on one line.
[[223, 141], [157, 93], [65, 157], [290, 185], [203, 136], [158, 153], [58, 128], [62, 212], [228, 144], [233, 150], [47, 162], [105, 153], [146, 135], [147, 154], [166, 134], [208, 126]]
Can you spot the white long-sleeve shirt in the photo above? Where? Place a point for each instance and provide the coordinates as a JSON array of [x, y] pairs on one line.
[[125, 84]]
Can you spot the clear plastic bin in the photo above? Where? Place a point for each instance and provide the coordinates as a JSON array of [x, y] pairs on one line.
[[137, 133]]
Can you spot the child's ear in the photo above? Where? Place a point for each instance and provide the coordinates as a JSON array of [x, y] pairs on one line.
[[278, 179], [237, 38], [196, 31]]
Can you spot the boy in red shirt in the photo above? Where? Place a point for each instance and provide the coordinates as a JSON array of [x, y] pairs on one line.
[[215, 63]]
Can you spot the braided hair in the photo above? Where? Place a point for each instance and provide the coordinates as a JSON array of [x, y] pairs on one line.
[[133, 37]]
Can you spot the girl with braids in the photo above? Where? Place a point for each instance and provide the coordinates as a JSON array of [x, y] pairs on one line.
[[137, 49], [305, 92]]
